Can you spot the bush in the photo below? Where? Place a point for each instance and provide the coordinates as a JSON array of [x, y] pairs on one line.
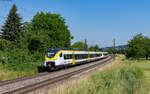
[[3, 56], [37, 56], [5, 44], [20, 60]]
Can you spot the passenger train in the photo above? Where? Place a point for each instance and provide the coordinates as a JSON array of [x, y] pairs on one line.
[[58, 58]]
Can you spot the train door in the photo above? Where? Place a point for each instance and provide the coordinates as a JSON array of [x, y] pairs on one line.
[[61, 58]]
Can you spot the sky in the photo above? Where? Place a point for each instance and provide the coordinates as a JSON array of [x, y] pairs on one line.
[[98, 21]]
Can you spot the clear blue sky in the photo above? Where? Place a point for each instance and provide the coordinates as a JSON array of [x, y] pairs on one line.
[[99, 21]]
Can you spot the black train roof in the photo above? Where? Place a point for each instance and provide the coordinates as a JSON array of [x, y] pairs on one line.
[[74, 49]]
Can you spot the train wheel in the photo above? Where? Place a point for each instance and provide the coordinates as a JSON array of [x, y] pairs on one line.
[[50, 67]]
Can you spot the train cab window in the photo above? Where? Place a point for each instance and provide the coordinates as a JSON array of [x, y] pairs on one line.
[[50, 54], [61, 55]]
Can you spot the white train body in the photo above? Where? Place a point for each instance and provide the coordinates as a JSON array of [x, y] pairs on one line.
[[64, 57]]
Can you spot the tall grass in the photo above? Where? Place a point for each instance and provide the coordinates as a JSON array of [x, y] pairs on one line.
[[121, 77], [118, 80], [122, 80]]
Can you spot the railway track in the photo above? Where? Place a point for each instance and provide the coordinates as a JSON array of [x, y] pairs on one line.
[[2, 83], [51, 79]]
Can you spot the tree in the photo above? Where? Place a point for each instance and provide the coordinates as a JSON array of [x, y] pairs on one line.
[[78, 45], [138, 47], [46, 31], [110, 51], [13, 26], [54, 26], [96, 47], [147, 47]]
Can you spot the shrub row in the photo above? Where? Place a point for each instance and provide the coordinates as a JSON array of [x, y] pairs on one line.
[[20, 60]]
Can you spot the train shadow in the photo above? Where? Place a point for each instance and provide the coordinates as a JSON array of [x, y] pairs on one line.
[[44, 69], [41, 69]]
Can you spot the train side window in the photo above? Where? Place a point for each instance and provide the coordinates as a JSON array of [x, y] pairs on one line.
[[65, 56], [60, 55], [71, 56]]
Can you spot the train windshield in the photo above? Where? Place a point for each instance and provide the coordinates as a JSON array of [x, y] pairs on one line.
[[51, 53]]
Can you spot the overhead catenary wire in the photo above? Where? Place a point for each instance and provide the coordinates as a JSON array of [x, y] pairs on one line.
[[6, 0], [22, 8]]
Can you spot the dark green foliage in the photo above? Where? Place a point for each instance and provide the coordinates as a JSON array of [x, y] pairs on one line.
[[96, 47], [20, 60], [78, 45], [13, 26], [117, 51], [138, 47], [45, 31], [110, 50], [35, 44], [4, 44], [120, 51], [54, 26]]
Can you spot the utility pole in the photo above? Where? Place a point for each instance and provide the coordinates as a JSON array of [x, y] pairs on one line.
[[114, 45], [85, 44]]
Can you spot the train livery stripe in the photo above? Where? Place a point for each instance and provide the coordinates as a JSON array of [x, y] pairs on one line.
[[88, 57], [73, 59]]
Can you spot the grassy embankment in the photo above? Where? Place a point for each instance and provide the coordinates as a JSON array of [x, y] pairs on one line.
[[121, 77], [8, 74], [17, 63]]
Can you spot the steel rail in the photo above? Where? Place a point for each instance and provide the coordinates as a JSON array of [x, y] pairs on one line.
[[2, 83]]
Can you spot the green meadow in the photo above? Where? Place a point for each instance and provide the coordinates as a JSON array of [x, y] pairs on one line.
[[120, 77]]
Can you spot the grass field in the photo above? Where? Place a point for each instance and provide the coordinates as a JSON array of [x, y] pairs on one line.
[[120, 77]]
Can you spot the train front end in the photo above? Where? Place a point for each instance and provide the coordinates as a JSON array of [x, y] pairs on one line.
[[50, 59]]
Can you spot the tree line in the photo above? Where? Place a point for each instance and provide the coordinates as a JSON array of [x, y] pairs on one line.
[[137, 48], [83, 45], [22, 45], [46, 30]]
